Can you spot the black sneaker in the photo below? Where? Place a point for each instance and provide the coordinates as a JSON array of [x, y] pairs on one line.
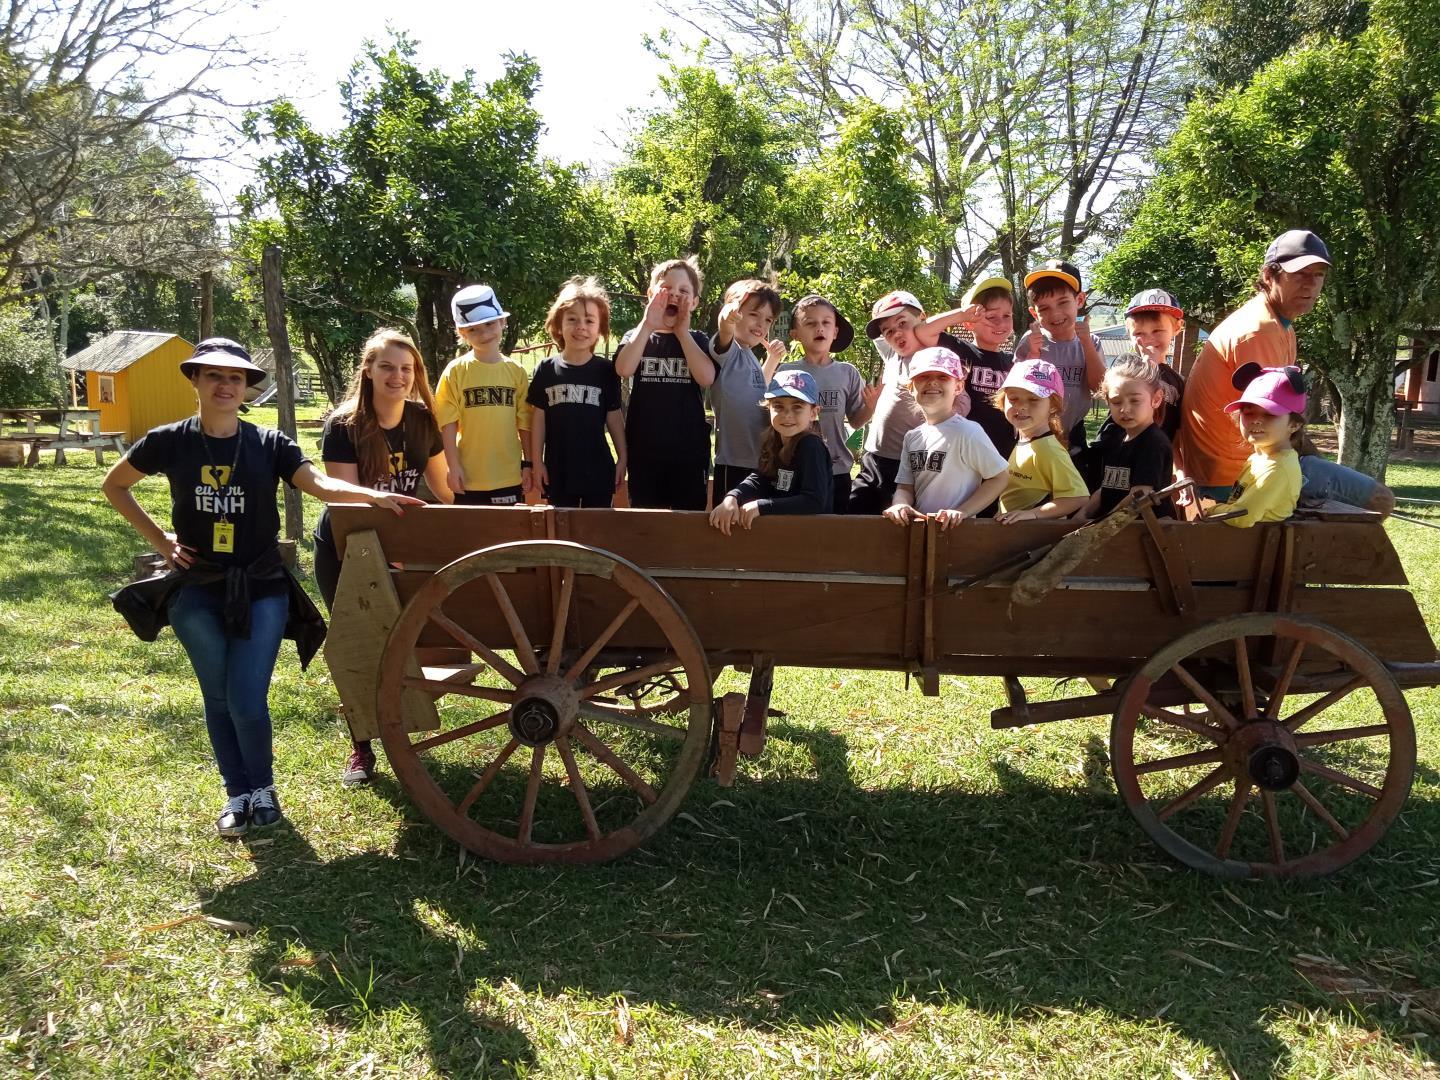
[[264, 807], [235, 818]]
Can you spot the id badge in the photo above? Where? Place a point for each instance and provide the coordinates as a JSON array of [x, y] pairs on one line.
[[224, 537]]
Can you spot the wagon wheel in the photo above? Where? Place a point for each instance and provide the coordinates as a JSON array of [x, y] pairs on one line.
[[529, 766], [1299, 779]]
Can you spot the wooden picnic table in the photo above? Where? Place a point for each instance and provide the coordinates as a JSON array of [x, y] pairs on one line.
[[76, 429]]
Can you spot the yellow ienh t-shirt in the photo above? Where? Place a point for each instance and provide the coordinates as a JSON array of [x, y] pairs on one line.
[[1040, 468], [1267, 490], [487, 400]]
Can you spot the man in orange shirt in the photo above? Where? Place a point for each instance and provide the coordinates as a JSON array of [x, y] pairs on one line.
[[1209, 448]]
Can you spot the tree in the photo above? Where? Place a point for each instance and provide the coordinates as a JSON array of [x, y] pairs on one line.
[[704, 176], [867, 229], [1024, 117], [90, 182], [430, 183], [1340, 136]]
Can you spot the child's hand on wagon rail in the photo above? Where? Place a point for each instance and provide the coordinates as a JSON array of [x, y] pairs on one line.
[[903, 514], [1017, 515], [725, 514], [947, 518], [748, 513]]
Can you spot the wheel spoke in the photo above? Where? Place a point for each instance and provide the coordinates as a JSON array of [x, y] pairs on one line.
[[488, 775], [625, 678], [1282, 685], [1212, 779], [478, 647], [562, 618], [1321, 738], [461, 731], [603, 640], [1189, 723], [1272, 828], [1179, 761], [1232, 819], [532, 792], [1210, 700], [524, 651], [443, 686], [1242, 672], [609, 757], [1319, 705], [591, 711], [1335, 776], [1318, 809], [577, 786]]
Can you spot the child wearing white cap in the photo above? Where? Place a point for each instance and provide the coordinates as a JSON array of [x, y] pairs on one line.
[[481, 407], [949, 469]]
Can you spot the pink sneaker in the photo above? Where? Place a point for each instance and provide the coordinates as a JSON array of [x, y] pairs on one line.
[[360, 769]]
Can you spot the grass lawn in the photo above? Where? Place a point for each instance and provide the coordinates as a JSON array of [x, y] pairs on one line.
[[893, 890]]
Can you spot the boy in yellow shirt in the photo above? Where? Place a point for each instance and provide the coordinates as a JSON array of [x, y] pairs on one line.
[[481, 407]]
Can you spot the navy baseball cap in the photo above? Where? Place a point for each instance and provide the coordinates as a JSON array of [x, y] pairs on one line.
[[1297, 249]]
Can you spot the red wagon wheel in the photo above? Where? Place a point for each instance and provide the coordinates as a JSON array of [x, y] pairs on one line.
[[531, 764], [1304, 758]]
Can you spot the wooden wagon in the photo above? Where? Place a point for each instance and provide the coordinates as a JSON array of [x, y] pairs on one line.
[[542, 679]]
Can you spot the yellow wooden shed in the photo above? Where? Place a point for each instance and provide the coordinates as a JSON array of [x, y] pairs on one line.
[[133, 378]]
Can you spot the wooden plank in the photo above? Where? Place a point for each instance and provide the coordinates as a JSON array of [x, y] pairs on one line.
[[366, 608]]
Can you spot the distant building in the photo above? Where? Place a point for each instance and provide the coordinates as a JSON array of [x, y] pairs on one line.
[[133, 377]]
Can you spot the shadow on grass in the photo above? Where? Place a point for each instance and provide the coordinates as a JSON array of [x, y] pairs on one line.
[[812, 901]]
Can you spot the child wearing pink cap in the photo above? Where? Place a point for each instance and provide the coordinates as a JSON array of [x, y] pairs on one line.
[[949, 469], [1043, 480], [1271, 415]]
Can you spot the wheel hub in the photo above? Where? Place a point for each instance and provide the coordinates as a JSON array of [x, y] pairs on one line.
[[545, 708], [1264, 751]]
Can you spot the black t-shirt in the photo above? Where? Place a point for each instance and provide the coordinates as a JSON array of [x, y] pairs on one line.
[[666, 414], [987, 371], [211, 480], [805, 487], [1144, 461], [407, 463], [1174, 389], [576, 400]]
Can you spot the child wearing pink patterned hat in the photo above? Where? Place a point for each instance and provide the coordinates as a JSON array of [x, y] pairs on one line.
[[949, 469], [1271, 415], [1044, 482]]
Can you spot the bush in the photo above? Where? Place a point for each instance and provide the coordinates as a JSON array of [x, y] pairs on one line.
[[28, 372]]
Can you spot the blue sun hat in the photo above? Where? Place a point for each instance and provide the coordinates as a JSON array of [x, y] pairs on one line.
[[796, 384]]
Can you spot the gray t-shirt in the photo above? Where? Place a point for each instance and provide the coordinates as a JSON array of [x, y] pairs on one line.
[[1069, 359], [736, 396], [895, 411], [840, 387]]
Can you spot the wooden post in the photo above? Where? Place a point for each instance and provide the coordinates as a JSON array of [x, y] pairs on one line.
[[207, 304], [284, 374]]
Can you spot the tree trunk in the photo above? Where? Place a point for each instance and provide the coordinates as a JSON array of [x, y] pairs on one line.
[[434, 328], [270, 278], [1367, 403]]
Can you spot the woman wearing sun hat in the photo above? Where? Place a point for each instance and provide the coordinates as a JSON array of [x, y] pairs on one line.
[[227, 595]]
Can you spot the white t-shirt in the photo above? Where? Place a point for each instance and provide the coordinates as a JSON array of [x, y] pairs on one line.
[[947, 462]]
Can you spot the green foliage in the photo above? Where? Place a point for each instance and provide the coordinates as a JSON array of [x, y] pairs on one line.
[[705, 176], [28, 372], [1343, 137], [1233, 39], [431, 182], [864, 226]]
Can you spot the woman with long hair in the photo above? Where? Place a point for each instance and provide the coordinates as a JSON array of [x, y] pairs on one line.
[[382, 436]]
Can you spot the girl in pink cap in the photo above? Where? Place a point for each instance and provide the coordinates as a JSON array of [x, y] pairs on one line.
[[1044, 482], [1271, 415]]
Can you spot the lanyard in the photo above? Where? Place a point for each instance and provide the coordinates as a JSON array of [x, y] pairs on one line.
[[230, 479]]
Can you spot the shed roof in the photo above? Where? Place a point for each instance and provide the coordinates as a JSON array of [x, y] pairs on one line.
[[116, 351]]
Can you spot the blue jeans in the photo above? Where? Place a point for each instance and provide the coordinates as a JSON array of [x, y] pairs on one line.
[[234, 675], [1324, 479]]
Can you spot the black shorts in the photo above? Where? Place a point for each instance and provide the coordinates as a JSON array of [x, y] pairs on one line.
[[667, 482], [510, 496], [726, 479], [873, 490]]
